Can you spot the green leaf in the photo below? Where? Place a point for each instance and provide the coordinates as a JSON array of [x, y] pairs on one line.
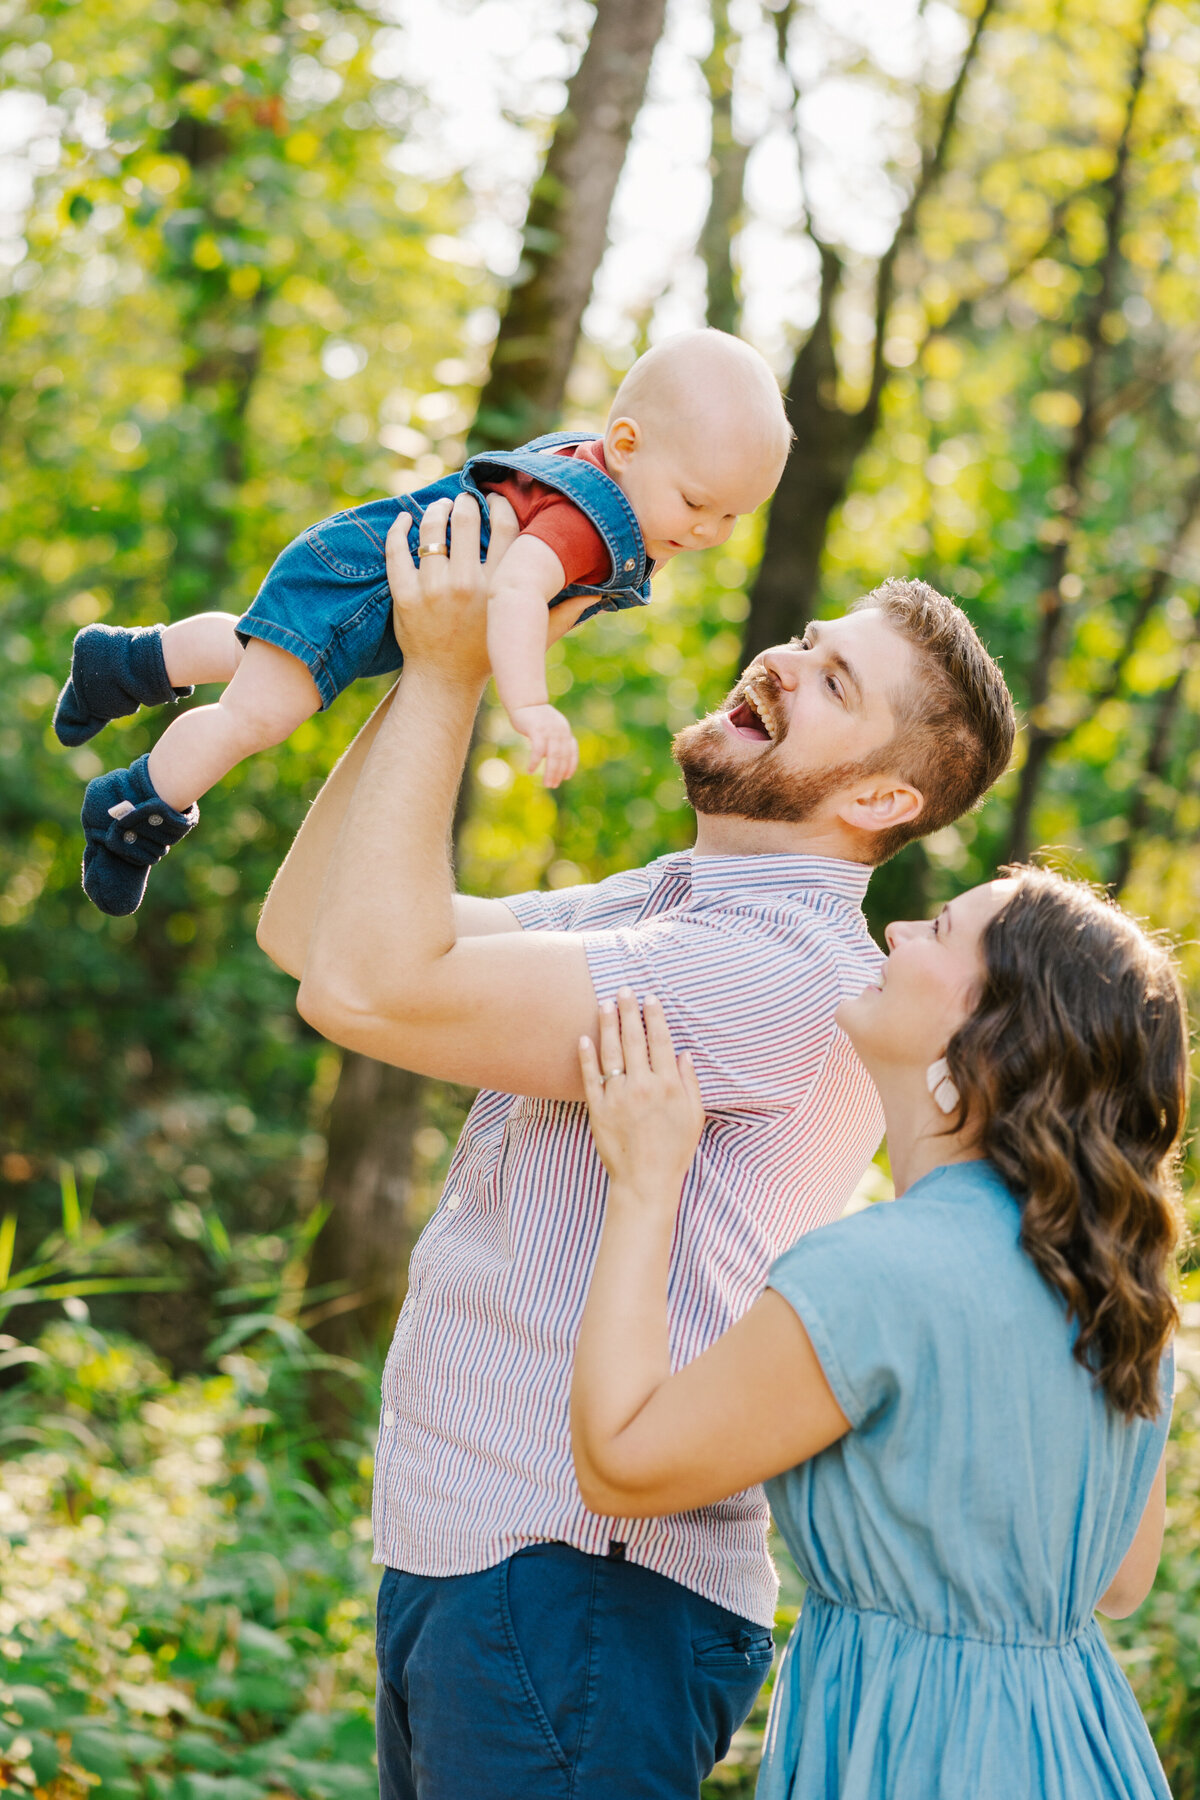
[[72, 1222], [216, 1787], [100, 1752]]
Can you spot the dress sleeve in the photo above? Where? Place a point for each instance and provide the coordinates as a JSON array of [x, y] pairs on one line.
[[846, 1283], [753, 1005]]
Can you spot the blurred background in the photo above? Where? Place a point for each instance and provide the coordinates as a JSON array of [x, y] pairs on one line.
[[261, 260]]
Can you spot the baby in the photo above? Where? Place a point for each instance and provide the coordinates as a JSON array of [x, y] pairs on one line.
[[696, 436]]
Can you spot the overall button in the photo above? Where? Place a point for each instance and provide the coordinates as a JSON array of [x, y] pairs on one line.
[[130, 837], [629, 563], [155, 819], [453, 1202]]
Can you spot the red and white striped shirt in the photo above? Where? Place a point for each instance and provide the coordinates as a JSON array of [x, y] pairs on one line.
[[749, 956]]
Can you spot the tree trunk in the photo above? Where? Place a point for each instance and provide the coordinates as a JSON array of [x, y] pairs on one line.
[[1138, 816], [566, 228], [727, 167], [1054, 613], [829, 440], [364, 1246], [368, 1187]]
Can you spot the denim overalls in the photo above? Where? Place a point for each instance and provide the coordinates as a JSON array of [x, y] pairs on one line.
[[326, 600]]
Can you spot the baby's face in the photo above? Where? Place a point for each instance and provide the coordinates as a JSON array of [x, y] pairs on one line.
[[688, 495]]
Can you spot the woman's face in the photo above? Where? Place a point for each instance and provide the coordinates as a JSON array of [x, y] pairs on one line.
[[929, 984]]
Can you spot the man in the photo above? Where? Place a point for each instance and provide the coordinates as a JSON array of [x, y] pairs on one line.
[[526, 1647]]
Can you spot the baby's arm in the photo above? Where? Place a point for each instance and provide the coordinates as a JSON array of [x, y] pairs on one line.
[[518, 627]]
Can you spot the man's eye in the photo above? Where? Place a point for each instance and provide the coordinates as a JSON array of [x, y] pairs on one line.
[[833, 687]]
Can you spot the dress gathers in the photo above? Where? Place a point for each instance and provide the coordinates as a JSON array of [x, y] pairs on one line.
[[957, 1540]]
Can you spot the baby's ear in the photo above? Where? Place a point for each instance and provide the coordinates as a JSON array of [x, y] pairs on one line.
[[621, 439]]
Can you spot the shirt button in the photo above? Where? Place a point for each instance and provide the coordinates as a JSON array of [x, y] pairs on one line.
[[130, 837], [389, 1418], [453, 1202], [629, 563]]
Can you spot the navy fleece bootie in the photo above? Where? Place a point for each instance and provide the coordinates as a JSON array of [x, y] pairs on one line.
[[113, 672], [127, 827]]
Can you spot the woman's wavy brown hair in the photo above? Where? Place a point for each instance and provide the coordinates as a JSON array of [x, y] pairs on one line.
[[1075, 1062]]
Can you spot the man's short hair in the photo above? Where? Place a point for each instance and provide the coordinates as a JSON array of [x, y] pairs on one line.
[[955, 723]]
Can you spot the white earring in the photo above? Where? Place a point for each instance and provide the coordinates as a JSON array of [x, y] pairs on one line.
[[937, 1079]]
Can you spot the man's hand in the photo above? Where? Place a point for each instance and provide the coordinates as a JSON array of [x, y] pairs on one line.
[[440, 610]]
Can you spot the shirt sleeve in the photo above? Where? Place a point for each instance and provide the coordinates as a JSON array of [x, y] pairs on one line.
[[554, 911], [825, 1278], [753, 1005], [574, 540]]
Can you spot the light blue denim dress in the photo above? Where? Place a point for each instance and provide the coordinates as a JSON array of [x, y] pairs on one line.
[[325, 599], [956, 1541]]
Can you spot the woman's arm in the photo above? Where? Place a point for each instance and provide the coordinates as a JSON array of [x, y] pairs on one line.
[[757, 1402], [1135, 1577]]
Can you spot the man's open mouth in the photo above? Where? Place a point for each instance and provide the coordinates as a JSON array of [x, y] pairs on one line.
[[748, 722]]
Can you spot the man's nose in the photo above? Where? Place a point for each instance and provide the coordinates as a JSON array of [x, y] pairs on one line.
[[783, 663]]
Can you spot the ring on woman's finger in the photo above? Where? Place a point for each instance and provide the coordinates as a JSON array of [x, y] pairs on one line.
[[611, 1076], [432, 550]]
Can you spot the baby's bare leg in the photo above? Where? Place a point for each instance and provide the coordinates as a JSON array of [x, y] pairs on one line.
[[202, 648], [271, 693]]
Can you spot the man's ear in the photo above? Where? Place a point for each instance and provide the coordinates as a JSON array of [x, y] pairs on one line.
[[881, 806], [621, 439]]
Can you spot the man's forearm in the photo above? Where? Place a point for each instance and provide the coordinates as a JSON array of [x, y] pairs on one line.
[[386, 910]]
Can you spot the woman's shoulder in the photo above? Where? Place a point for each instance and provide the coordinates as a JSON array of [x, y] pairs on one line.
[[942, 1216]]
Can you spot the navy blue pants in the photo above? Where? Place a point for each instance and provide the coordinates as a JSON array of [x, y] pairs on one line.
[[557, 1676]]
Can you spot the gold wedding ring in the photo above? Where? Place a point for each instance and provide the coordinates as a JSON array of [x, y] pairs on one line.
[[432, 550]]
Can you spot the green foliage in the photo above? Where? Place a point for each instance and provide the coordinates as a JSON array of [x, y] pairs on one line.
[[182, 1612], [227, 311]]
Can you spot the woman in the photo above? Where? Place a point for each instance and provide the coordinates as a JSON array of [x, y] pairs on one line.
[[963, 1398]]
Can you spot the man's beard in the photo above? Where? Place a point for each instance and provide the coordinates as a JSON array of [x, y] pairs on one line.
[[718, 781]]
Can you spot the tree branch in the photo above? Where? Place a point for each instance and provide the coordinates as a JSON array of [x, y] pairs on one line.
[[933, 163], [1085, 436]]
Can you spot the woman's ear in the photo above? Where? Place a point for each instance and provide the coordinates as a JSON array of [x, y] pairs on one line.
[[882, 806]]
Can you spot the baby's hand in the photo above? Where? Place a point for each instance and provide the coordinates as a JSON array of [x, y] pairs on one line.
[[550, 740]]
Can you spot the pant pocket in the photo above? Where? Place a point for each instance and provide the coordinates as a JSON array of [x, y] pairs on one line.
[[731, 1667], [547, 1601]]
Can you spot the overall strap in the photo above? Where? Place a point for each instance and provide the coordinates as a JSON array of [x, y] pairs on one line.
[[589, 488]]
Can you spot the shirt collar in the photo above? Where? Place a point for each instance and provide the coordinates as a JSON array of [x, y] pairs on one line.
[[725, 877]]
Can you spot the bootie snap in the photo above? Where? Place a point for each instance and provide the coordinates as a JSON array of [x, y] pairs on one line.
[[127, 827], [113, 672]]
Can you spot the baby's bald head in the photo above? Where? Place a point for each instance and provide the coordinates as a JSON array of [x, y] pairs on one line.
[[697, 436], [710, 383]]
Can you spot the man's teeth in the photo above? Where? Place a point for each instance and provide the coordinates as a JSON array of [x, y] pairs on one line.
[[757, 716], [746, 718]]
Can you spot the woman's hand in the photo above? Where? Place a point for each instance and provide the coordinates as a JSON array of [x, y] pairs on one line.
[[439, 610], [644, 1103], [646, 1441]]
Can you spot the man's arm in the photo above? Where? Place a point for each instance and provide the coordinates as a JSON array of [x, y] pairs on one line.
[[387, 971], [285, 926]]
